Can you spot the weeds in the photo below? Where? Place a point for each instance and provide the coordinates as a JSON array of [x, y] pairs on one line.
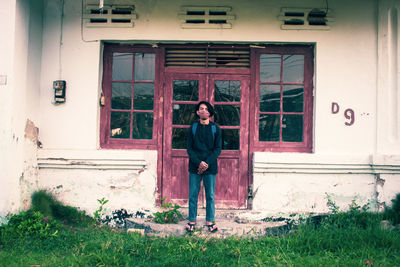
[[30, 224], [393, 213], [99, 213], [356, 217], [116, 219], [307, 246], [171, 213], [331, 204], [47, 205], [351, 238]]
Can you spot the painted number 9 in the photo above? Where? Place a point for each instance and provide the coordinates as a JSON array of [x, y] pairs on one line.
[[348, 113]]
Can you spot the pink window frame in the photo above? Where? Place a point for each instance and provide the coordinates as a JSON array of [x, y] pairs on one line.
[[306, 146], [105, 111]]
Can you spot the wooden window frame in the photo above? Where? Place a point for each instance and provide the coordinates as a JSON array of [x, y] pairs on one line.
[[105, 111], [306, 146]]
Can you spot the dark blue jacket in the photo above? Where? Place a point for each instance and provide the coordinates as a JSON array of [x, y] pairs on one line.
[[204, 147]]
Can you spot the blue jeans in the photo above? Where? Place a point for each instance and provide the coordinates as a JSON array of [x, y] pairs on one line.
[[194, 188]]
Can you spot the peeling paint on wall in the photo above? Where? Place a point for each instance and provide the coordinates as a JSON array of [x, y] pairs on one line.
[[31, 131], [28, 181], [129, 186]]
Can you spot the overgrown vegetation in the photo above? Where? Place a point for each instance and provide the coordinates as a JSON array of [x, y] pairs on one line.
[[51, 208], [355, 217], [170, 213], [31, 224], [393, 213], [351, 238]]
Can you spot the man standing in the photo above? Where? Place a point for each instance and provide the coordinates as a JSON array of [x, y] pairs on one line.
[[203, 147]]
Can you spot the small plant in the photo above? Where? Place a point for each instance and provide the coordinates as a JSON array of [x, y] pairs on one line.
[[30, 224], [99, 212], [331, 204], [171, 213]]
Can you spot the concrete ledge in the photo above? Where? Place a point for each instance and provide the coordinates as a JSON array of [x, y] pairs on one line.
[[92, 159], [302, 163]]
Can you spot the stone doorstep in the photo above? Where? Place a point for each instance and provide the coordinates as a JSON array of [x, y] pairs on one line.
[[226, 228], [230, 223]]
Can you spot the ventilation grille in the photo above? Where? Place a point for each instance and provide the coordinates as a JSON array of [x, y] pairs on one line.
[[109, 16], [305, 19], [208, 57], [195, 17]]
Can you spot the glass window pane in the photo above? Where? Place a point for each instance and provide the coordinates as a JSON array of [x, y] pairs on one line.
[[270, 68], [292, 128], [142, 126], [183, 114], [120, 124], [227, 115], [230, 139], [269, 127], [122, 66], [144, 66], [227, 91], [121, 95], [186, 90], [270, 98], [143, 96], [179, 138], [293, 68], [293, 98]]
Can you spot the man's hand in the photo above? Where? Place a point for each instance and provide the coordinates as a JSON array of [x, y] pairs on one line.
[[202, 167]]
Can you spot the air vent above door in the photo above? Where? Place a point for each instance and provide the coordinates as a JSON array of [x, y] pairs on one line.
[[109, 16], [305, 18], [198, 17], [208, 57]]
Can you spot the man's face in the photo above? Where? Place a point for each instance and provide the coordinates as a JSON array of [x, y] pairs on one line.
[[203, 112]]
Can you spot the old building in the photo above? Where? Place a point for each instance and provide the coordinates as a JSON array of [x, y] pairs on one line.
[[97, 97]]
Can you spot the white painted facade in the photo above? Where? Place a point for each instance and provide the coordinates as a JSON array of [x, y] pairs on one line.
[[356, 66]]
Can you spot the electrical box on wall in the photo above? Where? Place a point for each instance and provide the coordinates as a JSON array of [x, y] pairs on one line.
[[59, 91]]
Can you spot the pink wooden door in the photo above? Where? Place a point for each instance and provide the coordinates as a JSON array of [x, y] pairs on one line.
[[229, 94]]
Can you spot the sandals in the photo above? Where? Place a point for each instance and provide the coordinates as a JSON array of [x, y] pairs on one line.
[[212, 228], [190, 227]]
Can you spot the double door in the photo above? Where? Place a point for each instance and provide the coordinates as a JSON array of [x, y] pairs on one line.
[[229, 94]]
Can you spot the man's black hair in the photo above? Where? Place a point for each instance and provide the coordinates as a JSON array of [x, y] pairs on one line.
[[209, 107]]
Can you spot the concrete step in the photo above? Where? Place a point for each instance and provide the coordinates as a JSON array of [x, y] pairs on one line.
[[230, 223]]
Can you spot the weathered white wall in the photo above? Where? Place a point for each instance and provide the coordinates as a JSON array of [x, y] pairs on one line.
[[289, 182], [291, 193], [74, 124], [388, 89], [79, 178], [346, 66], [364, 156], [21, 51], [7, 27]]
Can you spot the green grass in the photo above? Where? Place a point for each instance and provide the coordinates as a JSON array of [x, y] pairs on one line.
[[328, 244], [54, 235]]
